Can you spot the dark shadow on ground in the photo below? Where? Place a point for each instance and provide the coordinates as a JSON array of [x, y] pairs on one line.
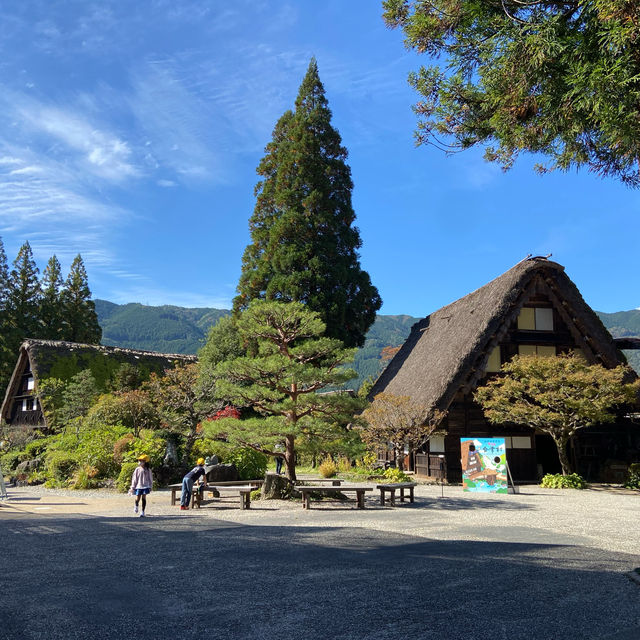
[[170, 577], [471, 504]]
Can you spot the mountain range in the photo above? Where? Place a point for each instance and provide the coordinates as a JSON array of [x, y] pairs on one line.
[[171, 329]]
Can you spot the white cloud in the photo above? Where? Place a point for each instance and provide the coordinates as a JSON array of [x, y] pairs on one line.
[[102, 152]]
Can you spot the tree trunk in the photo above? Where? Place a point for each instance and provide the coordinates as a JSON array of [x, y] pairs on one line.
[[290, 457], [276, 487], [561, 444]]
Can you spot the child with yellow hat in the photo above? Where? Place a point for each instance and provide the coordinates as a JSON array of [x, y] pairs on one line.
[[141, 483], [188, 480]]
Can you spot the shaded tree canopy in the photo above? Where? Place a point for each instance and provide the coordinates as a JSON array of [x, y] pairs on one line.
[[304, 246], [561, 79], [557, 396]]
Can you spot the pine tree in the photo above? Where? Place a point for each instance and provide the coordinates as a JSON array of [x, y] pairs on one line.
[[283, 383], [23, 296], [304, 247], [79, 312], [4, 279], [51, 304]]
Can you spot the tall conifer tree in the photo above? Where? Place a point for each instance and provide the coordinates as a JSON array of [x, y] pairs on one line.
[[4, 278], [51, 313], [304, 247], [80, 318], [23, 299]]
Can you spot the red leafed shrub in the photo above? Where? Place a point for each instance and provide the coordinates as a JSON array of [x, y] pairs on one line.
[[227, 412]]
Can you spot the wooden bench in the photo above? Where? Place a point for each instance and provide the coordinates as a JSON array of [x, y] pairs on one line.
[[196, 498], [392, 488], [243, 491], [334, 482], [328, 491]]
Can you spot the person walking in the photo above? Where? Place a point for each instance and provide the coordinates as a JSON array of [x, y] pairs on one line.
[[141, 483], [187, 483], [279, 457]]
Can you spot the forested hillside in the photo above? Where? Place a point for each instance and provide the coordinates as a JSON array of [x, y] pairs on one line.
[[166, 329], [170, 329], [624, 323]]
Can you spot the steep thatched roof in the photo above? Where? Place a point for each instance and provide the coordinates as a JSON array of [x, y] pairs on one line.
[[448, 350], [58, 359], [55, 358]]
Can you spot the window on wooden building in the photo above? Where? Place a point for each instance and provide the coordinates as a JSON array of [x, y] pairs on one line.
[[30, 383], [535, 319], [494, 362], [536, 349], [436, 444], [517, 442]]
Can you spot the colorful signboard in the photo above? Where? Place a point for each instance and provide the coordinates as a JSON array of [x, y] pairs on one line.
[[484, 464]]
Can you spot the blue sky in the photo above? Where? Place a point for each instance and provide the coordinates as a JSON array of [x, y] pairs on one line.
[[130, 133]]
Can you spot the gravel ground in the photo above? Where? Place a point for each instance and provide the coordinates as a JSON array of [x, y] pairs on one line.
[[541, 564]]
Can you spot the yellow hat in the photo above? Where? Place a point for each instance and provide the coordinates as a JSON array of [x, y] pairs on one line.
[[200, 461], [144, 457]]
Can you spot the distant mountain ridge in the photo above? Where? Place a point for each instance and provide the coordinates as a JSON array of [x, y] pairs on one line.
[[167, 328], [171, 329]]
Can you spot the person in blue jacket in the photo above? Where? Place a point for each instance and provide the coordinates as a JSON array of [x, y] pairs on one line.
[[188, 481]]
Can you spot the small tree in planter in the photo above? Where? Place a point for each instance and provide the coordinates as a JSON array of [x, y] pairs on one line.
[[557, 395]]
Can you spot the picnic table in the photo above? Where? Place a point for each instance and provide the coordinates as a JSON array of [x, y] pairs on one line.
[[243, 491], [306, 492], [391, 489], [196, 496]]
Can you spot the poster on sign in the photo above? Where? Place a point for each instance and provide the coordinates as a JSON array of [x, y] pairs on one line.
[[484, 465]]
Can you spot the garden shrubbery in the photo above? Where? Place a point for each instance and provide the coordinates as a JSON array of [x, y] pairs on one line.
[[558, 481], [327, 468], [633, 477], [250, 464]]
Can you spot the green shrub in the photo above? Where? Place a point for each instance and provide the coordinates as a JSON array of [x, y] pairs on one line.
[[148, 442], [558, 481], [122, 446], [124, 478], [633, 476], [36, 477], [256, 494], [60, 467], [86, 478], [327, 468], [344, 464], [251, 464], [96, 449], [206, 448], [10, 461], [395, 475], [35, 448]]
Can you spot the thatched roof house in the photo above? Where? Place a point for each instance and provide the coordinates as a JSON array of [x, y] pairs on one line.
[[532, 308], [41, 359]]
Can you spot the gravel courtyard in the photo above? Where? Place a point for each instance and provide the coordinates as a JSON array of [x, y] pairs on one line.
[[541, 564]]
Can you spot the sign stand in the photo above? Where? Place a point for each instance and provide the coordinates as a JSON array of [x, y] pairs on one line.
[[441, 476], [512, 488]]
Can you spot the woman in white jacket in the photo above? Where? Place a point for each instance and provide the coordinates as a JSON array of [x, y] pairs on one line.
[[141, 483]]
